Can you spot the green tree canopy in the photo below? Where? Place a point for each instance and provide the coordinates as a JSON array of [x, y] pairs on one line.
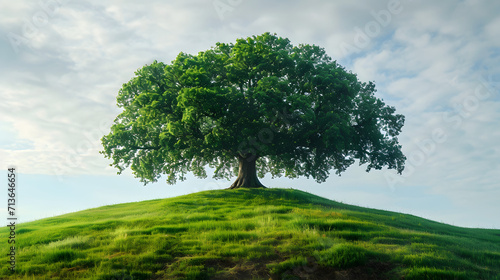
[[260, 105]]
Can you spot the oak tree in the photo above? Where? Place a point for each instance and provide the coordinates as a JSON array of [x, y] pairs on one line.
[[260, 105]]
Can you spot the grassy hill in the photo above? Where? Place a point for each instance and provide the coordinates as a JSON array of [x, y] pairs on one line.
[[248, 234]]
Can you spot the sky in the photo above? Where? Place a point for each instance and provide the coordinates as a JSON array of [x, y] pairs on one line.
[[62, 63]]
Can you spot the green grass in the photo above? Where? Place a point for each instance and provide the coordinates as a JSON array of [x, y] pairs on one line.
[[248, 234]]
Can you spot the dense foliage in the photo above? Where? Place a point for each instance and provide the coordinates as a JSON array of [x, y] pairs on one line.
[[261, 105]]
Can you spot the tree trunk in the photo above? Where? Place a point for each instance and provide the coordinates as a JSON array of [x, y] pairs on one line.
[[247, 174]]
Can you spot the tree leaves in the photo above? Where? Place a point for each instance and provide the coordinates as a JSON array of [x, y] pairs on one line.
[[292, 107]]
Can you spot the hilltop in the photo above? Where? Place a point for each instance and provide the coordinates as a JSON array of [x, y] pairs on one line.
[[248, 234]]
